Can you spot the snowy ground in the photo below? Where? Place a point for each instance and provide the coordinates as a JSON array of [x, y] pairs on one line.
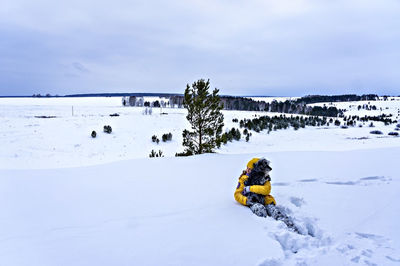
[[65, 141], [116, 206]]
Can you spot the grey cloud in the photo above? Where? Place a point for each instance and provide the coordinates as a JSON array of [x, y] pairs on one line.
[[79, 67], [244, 47]]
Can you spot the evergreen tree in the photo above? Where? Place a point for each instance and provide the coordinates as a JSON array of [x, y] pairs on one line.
[[204, 116]]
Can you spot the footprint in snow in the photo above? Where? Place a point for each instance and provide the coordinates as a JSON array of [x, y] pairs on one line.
[[368, 249], [280, 184], [372, 178], [298, 202], [364, 181], [342, 183], [308, 180], [299, 249]]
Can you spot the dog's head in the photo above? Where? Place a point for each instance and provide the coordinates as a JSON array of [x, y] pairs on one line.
[[259, 174], [263, 166]]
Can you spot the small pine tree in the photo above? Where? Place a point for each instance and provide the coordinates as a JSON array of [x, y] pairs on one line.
[[204, 116], [156, 154], [152, 154]]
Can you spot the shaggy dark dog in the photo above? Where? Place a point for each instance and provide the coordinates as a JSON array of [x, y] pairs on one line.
[[258, 176]]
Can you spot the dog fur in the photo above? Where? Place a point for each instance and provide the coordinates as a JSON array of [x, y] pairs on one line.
[[258, 176]]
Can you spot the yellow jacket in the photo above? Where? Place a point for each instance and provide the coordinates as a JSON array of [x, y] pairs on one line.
[[263, 190]]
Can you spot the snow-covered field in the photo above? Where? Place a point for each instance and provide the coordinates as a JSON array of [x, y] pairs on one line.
[[390, 106], [271, 98], [65, 141], [69, 199]]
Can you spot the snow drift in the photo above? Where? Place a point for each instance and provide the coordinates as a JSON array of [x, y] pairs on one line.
[[181, 211]]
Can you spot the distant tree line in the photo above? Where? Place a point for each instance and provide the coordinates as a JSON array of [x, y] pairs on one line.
[[140, 102], [288, 107], [39, 95], [242, 104], [336, 98], [172, 101], [298, 106], [324, 111]]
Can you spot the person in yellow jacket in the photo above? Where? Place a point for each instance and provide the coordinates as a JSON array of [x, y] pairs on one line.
[[241, 189], [269, 207]]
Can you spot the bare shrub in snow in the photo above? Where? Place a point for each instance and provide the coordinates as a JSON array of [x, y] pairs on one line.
[[107, 129], [376, 132], [148, 111], [154, 138], [156, 154]]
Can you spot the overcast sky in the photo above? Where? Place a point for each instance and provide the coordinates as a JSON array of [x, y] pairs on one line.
[[245, 47]]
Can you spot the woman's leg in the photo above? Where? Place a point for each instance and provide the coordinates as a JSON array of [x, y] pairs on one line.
[[259, 210]]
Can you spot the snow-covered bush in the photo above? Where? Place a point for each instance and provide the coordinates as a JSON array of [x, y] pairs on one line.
[[94, 134], [281, 122], [344, 127], [166, 137], [233, 134], [393, 133], [377, 132], [107, 129]]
